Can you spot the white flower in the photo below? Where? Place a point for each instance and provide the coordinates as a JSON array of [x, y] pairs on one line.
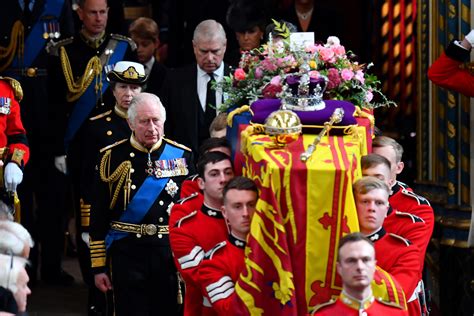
[[333, 41]]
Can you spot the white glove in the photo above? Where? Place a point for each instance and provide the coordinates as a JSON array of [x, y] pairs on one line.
[[13, 176], [470, 38], [60, 163], [85, 238]]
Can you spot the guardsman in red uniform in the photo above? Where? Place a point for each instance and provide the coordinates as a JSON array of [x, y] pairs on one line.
[[14, 150], [356, 265], [450, 71], [198, 229], [402, 197], [224, 263], [397, 222], [394, 254]]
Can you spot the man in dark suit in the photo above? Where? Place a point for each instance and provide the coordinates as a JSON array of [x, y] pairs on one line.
[[187, 94]]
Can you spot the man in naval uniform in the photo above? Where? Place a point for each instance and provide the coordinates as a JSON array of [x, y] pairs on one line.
[[78, 90], [126, 80], [356, 266], [137, 180], [26, 28]]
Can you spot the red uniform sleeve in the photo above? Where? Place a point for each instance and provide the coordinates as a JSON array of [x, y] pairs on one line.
[[445, 72], [218, 286]]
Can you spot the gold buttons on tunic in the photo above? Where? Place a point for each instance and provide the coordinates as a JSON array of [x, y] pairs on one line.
[[108, 119], [132, 170], [160, 219], [132, 155], [133, 186], [161, 203], [109, 133]]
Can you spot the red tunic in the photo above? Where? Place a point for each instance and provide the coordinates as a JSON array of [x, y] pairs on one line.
[[185, 206], [12, 132], [219, 272], [191, 237], [418, 228], [398, 257], [347, 306], [445, 72]]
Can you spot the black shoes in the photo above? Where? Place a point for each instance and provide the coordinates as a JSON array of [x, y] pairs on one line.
[[61, 278]]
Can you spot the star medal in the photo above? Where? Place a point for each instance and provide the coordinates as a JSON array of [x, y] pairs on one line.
[[171, 188]]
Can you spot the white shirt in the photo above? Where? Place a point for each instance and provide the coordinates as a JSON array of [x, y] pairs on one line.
[[202, 80], [148, 65]]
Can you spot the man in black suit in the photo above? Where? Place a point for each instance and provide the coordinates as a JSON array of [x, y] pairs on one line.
[[187, 94]]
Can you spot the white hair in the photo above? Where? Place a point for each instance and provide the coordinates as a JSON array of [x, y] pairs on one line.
[[14, 237], [10, 268], [143, 98]]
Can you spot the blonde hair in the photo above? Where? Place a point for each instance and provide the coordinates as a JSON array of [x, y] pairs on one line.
[[366, 184], [384, 141]]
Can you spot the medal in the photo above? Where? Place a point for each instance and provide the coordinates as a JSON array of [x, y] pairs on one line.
[[45, 31], [171, 188]]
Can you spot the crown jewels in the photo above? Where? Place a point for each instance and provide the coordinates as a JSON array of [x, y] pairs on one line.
[[303, 93]]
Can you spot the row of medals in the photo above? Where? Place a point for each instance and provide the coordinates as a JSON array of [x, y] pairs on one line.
[[168, 168]]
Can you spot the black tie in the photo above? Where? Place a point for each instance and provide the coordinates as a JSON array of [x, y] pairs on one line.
[[210, 101]]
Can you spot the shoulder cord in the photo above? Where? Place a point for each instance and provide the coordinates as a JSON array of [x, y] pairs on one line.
[[77, 87], [120, 175], [17, 42]]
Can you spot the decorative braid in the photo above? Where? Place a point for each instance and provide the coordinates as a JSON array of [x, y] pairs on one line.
[[120, 175], [17, 44], [77, 87]]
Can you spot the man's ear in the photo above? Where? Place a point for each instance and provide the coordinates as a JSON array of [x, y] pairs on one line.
[[400, 166], [200, 182], [130, 125], [338, 267]]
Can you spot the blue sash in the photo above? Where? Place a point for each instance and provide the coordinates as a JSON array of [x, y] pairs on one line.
[[145, 197], [88, 100], [35, 42]]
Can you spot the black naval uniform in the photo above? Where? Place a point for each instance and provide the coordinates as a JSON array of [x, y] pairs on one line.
[[140, 264], [80, 50], [44, 223]]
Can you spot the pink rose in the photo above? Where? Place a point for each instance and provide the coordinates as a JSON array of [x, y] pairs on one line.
[[269, 65], [275, 81], [339, 50], [239, 74], [258, 73], [327, 55], [334, 78], [347, 74], [310, 48], [359, 75]]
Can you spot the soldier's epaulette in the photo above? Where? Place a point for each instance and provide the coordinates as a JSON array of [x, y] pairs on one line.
[[393, 304], [130, 42], [402, 239], [184, 218], [99, 116], [414, 218], [403, 184], [187, 198], [52, 47], [113, 145], [172, 142], [420, 199], [211, 252], [322, 305], [16, 86]]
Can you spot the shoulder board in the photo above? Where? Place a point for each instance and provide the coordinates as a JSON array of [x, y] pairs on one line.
[[100, 115], [421, 200], [187, 198], [130, 42], [172, 142], [392, 304], [113, 145], [52, 47], [16, 86], [322, 305], [184, 218], [402, 239], [414, 218], [211, 252]]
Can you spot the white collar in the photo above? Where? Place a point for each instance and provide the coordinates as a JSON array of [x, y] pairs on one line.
[[218, 73]]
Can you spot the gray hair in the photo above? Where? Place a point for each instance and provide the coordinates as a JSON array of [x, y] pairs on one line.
[[6, 211], [14, 237], [10, 267], [141, 98], [209, 30]]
